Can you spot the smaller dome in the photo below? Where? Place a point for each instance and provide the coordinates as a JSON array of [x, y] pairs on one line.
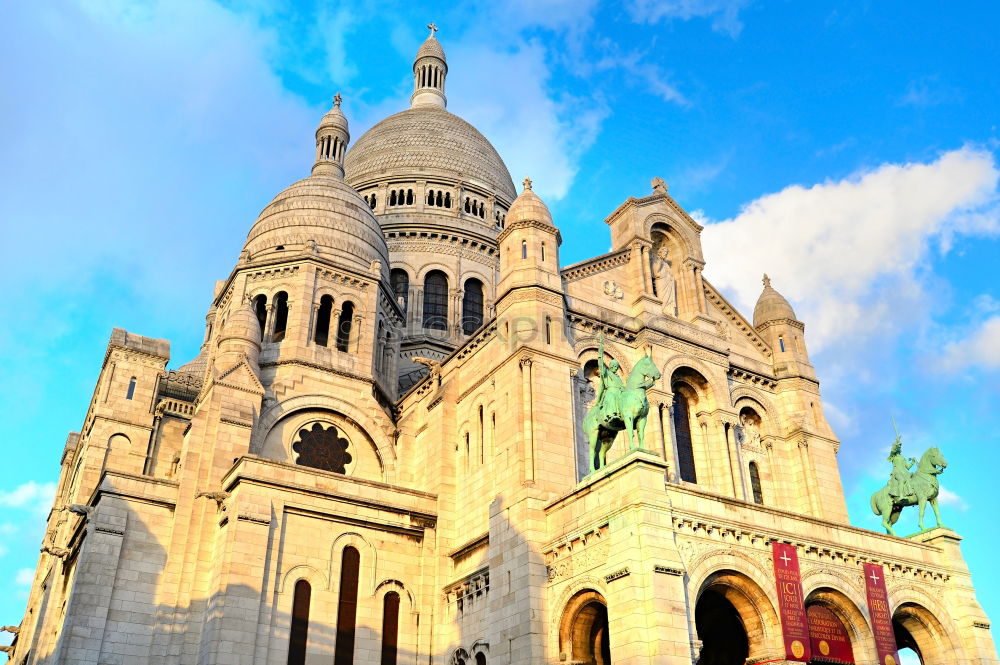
[[320, 214], [242, 324], [528, 208], [771, 306], [431, 48]]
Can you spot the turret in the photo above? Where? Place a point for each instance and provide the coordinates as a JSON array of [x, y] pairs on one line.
[[332, 138], [775, 321], [240, 336], [429, 72], [529, 263]]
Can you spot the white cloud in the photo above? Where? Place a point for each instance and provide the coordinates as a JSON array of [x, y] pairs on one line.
[[36, 497], [847, 254], [24, 577], [981, 348], [949, 498], [724, 13]]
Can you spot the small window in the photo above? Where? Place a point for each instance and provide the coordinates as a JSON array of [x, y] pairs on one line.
[[280, 316], [468, 205], [390, 627], [344, 326], [430, 197], [436, 301], [409, 197], [480, 658], [322, 336], [524, 249], [347, 607], [299, 631], [472, 306], [781, 343], [543, 252], [131, 389], [400, 286], [447, 199], [392, 198], [373, 202], [758, 494], [548, 330]]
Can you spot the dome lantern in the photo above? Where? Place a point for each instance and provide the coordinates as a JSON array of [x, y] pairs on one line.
[[332, 137], [429, 72]]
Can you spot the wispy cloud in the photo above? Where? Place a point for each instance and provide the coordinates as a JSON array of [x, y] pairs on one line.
[[928, 91], [32, 496], [725, 14], [980, 348], [949, 498]]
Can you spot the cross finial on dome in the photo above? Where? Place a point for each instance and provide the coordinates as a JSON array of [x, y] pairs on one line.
[[766, 280], [336, 100], [433, 28], [527, 183]]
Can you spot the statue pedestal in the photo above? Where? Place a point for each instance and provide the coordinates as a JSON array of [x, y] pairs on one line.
[[947, 540]]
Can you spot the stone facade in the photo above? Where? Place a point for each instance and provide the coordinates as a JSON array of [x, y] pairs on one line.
[[339, 478]]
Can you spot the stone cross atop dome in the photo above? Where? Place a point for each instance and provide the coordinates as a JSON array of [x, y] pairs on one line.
[[527, 183], [430, 68]]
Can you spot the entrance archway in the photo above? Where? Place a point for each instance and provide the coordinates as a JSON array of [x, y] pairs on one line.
[[917, 629], [721, 630], [583, 632]]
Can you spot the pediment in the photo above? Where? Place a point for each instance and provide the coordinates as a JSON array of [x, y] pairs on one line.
[[241, 377]]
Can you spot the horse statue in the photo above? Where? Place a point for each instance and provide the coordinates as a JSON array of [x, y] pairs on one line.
[[618, 407], [910, 489]]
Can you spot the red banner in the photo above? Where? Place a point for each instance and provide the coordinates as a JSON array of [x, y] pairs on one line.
[[794, 625], [828, 638], [881, 614]]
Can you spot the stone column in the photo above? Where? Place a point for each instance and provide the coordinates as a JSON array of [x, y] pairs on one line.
[[735, 461], [528, 476]]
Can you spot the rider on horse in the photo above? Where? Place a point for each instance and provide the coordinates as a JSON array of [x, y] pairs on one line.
[[609, 388], [899, 481]]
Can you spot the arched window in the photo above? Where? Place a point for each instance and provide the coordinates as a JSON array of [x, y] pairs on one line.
[[131, 389], [524, 249], [392, 197], [260, 308], [781, 342], [482, 211], [472, 306], [682, 433], [344, 326], [280, 316], [468, 205], [447, 199], [347, 607], [543, 252], [436, 301], [480, 658], [482, 437], [299, 631], [430, 197], [390, 627], [758, 493], [322, 336], [440, 201], [400, 286], [373, 201], [548, 330], [409, 197]]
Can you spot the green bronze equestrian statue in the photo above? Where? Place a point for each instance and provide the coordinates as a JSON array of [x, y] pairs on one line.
[[909, 489], [618, 407]]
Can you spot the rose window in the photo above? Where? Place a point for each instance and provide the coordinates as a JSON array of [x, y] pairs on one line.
[[322, 447]]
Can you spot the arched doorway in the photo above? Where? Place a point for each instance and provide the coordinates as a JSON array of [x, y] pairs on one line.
[[723, 637], [735, 620], [920, 633], [584, 638]]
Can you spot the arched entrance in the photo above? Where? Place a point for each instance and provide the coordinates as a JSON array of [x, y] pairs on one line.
[[720, 628], [917, 629], [734, 620], [583, 631]]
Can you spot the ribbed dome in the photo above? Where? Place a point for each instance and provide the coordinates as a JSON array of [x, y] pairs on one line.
[[327, 211], [771, 306], [431, 47], [529, 208], [424, 142]]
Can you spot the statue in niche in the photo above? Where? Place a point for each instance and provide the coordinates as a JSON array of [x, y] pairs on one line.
[[909, 489], [751, 432], [665, 284]]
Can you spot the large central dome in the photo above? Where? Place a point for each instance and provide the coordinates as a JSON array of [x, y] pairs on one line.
[[427, 141]]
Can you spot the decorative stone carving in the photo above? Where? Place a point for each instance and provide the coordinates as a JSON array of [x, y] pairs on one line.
[[613, 290]]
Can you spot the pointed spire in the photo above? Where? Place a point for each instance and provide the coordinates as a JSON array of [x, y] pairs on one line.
[[332, 138]]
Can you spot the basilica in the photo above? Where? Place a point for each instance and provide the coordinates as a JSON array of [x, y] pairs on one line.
[[387, 450]]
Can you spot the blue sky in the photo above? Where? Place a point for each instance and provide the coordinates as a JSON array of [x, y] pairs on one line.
[[849, 149]]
